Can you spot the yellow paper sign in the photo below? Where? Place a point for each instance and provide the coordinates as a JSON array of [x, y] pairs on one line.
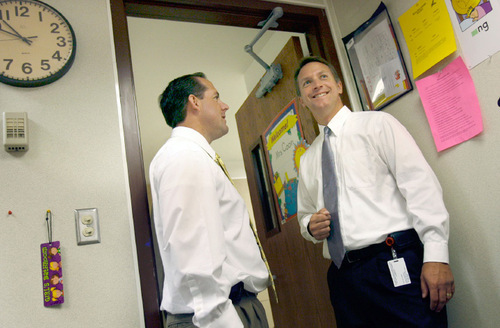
[[428, 33]]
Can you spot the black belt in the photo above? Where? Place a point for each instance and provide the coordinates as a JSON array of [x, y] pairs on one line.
[[237, 292], [398, 240]]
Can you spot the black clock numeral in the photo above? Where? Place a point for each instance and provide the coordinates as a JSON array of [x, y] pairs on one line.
[[62, 41], [26, 68], [55, 28], [57, 55], [45, 64], [7, 15], [9, 62], [22, 11], [40, 17]]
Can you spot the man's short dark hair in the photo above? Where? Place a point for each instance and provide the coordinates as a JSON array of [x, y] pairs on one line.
[[173, 101], [306, 60]]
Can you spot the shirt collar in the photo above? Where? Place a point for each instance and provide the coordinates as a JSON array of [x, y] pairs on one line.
[[337, 122], [194, 136]]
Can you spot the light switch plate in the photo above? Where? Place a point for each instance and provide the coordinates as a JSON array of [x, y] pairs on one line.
[[87, 226]]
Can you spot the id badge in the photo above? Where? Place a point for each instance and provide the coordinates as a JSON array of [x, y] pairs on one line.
[[399, 272]]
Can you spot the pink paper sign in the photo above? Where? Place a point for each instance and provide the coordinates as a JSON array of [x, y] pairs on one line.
[[451, 105]]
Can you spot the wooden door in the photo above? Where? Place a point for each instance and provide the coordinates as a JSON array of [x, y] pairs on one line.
[[298, 265]]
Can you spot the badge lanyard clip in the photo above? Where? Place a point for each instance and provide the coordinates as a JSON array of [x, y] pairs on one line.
[[389, 241]]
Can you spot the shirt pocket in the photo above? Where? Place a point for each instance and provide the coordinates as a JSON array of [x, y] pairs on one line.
[[361, 167]]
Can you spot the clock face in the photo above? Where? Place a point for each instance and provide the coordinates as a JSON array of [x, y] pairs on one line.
[[37, 44]]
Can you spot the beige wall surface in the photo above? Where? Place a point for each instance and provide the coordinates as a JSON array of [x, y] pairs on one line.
[[218, 51], [468, 173], [75, 160]]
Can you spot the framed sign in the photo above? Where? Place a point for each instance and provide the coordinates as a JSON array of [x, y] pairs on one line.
[[376, 61], [284, 144]]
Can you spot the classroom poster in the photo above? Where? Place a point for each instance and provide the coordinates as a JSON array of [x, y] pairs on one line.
[[284, 145], [477, 25]]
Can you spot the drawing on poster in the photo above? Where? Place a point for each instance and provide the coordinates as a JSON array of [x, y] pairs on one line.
[[469, 12]]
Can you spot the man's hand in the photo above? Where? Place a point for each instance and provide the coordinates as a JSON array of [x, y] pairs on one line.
[[437, 282], [319, 225]]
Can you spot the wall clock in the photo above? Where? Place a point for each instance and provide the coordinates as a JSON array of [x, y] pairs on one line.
[[37, 44]]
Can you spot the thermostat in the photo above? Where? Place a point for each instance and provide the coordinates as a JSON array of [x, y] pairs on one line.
[[15, 131]]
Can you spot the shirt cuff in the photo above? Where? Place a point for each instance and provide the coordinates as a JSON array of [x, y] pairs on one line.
[[228, 318], [436, 252]]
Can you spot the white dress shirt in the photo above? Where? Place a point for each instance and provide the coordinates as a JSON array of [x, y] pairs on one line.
[[384, 184], [202, 224]]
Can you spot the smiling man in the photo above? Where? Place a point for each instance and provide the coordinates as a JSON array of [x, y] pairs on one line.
[[212, 264], [366, 192]]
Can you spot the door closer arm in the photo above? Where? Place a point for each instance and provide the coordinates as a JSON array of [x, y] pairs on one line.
[[273, 72]]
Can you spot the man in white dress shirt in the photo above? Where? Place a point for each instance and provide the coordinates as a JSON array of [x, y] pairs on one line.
[[212, 263], [391, 214]]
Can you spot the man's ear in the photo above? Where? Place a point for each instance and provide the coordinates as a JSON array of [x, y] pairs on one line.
[[340, 87], [194, 102]]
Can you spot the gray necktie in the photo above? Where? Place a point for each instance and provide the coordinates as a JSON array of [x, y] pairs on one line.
[[335, 244]]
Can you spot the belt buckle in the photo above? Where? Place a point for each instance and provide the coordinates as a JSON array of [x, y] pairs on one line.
[[349, 260]]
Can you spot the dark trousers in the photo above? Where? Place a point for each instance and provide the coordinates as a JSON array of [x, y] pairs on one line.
[[363, 294]]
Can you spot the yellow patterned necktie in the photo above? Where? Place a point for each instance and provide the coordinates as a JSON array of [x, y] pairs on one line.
[[219, 161]]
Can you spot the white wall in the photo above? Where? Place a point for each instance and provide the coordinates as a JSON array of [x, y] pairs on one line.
[[215, 50], [218, 51], [75, 160], [468, 173]]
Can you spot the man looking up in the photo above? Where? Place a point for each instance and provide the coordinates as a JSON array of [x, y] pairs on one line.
[[212, 263], [366, 192]]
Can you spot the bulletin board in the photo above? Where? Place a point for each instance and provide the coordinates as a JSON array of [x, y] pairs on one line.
[[376, 61]]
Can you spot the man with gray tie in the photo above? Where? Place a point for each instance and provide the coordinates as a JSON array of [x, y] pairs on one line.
[[366, 192]]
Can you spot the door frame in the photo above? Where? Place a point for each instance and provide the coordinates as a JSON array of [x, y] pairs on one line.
[[240, 13]]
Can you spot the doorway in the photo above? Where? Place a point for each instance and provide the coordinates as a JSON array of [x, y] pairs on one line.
[[216, 50], [311, 21]]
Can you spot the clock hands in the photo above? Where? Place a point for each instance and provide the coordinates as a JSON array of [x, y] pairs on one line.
[[2, 30], [29, 37], [16, 34]]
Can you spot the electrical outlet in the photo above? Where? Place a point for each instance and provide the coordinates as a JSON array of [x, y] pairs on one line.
[[87, 226]]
